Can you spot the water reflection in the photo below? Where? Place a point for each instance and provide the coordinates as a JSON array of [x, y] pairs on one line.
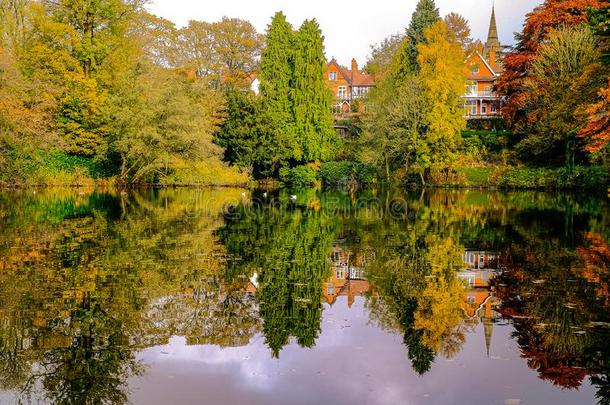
[[88, 281]]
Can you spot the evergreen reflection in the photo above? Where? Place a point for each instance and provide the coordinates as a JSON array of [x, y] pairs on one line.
[[286, 250], [89, 280]]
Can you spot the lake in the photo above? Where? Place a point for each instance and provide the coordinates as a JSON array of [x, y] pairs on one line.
[[227, 296]]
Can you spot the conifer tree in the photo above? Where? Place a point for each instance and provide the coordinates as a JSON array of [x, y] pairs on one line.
[[425, 15], [311, 99], [276, 71]]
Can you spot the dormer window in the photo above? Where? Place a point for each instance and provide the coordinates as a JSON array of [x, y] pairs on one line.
[[332, 76]]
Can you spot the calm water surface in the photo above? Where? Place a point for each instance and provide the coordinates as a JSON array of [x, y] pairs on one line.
[[226, 296]]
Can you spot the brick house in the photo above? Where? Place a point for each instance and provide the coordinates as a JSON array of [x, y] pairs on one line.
[[348, 86], [480, 100]]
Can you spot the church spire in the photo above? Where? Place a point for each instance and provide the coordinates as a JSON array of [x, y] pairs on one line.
[[493, 43], [488, 328]]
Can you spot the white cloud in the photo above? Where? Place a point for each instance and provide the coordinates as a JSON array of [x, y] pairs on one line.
[[350, 26]]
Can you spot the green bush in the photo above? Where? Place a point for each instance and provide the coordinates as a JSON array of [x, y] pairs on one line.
[[477, 176], [209, 172], [493, 141], [342, 172], [299, 176], [55, 161], [489, 124], [582, 177], [22, 165]]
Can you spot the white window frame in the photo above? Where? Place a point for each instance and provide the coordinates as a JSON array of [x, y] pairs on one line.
[[342, 92], [472, 108], [332, 76]]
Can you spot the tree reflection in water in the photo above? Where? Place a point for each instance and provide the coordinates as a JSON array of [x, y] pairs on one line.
[[87, 281]]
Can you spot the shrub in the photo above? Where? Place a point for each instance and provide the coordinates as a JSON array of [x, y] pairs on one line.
[[299, 176], [582, 177], [22, 165], [211, 172], [342, 172], [490, 124], [493, 141]]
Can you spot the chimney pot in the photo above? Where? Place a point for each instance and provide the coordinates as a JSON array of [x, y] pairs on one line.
[[354, 66]]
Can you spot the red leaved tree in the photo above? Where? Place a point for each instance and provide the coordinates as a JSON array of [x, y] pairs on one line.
[[538, 25]]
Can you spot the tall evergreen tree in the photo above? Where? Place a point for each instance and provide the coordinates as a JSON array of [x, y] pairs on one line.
[[425, 15], [311, 98], [276, 71]]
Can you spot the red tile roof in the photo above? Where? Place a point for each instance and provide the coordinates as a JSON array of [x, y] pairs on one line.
[[354, 78]]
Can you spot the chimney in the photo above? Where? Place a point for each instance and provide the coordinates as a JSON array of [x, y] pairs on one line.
[[354, 67]]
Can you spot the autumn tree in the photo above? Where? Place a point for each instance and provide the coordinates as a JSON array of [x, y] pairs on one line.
[[392, 128], [382, 55], [562, 79], [415, 123], [99, 26], [458, 26], [539, 24], [159, 119], [13, 23], [443, 81], [597, 129], [158, 40], [226, 51]]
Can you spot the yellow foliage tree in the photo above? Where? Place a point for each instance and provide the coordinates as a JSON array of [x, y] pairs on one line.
[[443, 82]]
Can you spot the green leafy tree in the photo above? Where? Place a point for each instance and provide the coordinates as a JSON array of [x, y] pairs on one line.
[[276, 75], [394, 128], [310, 97], [424, 16], [160, 120], [240, 130], [291, 260]]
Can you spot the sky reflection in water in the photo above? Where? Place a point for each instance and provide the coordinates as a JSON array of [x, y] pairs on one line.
[[212, 296]]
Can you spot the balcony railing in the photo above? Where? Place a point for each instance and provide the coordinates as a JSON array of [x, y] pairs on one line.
[[481, 94], [349, 97], [489, 114]]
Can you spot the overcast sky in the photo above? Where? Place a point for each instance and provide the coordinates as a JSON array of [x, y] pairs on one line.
[[349, 26]]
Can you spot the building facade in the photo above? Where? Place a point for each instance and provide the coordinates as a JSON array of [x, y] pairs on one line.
[[349, 86], [485, 66]]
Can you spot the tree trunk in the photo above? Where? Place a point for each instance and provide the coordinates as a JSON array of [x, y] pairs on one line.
[[387, 169]]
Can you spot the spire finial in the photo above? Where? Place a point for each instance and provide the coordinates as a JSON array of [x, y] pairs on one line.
[[493, 43]]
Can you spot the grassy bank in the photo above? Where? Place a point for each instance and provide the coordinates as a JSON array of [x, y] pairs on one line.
[[580, 178], [53, 168]]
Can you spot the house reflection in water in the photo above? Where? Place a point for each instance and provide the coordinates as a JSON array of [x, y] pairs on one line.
[[480, 301], [348, 278]]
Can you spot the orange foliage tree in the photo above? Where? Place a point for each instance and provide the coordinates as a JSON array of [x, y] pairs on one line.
[[538, 25], [597, 129]]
